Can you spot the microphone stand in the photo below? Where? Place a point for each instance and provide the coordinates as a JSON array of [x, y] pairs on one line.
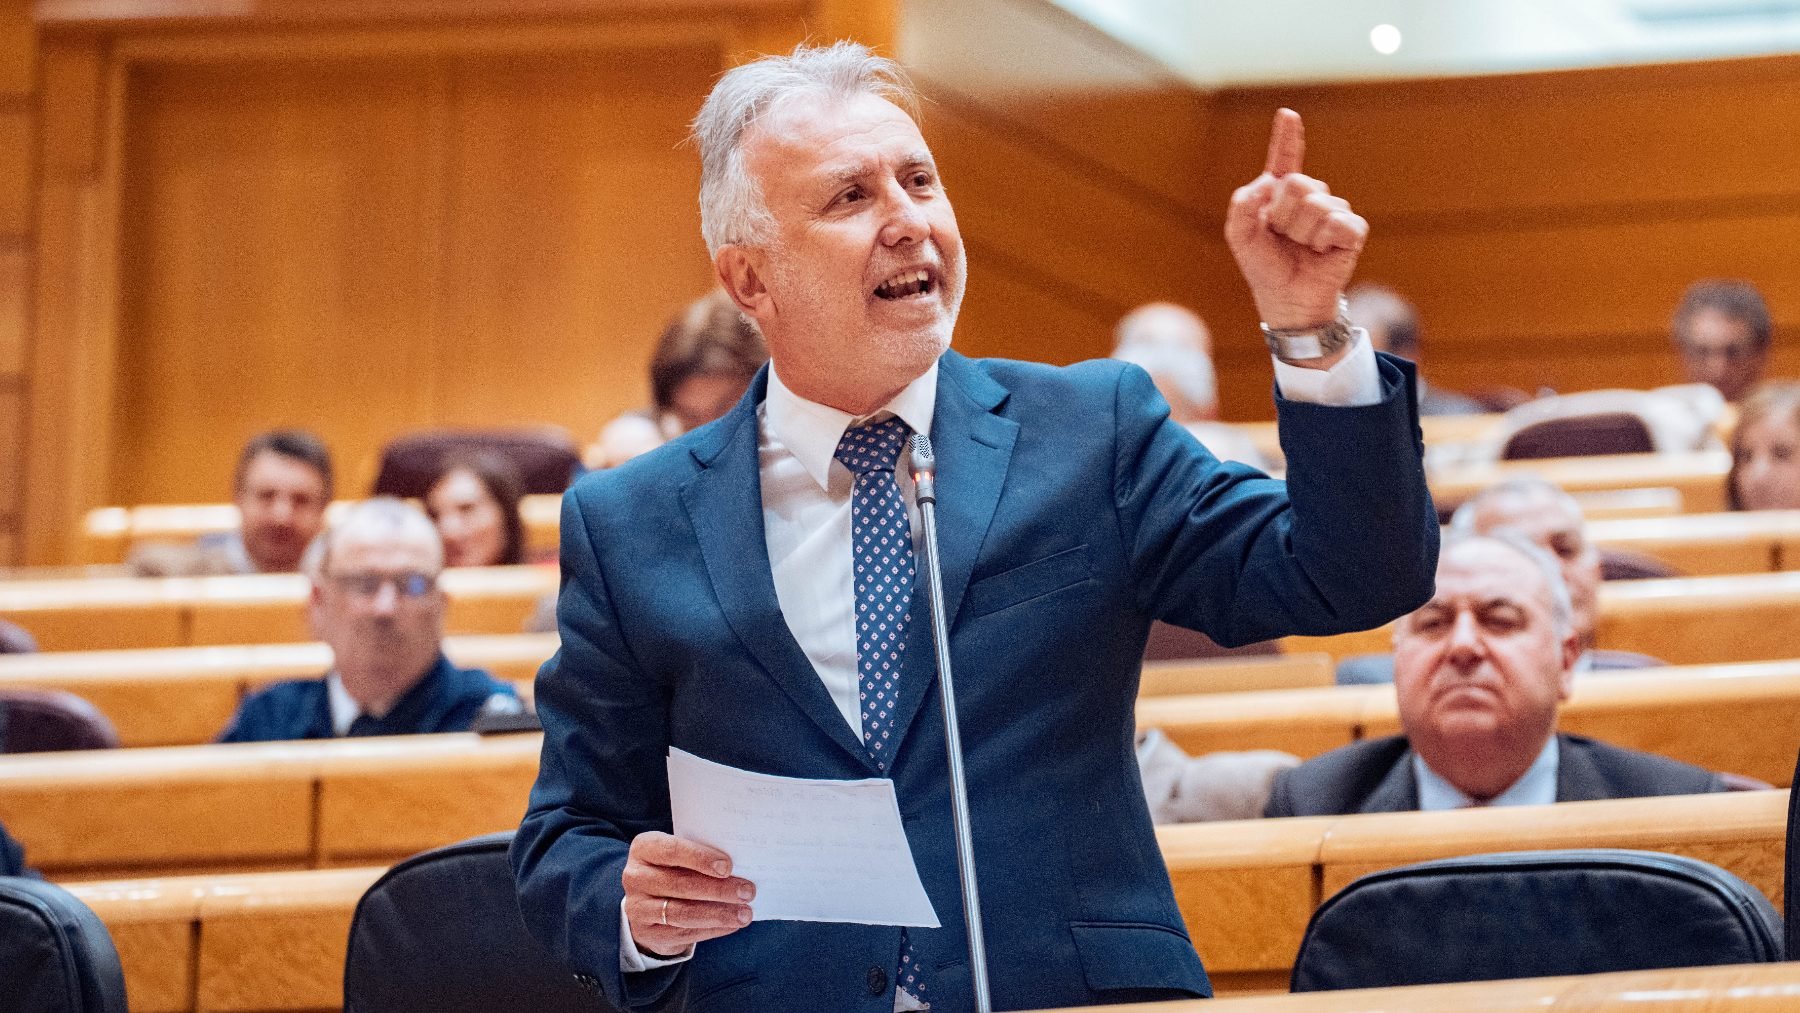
[[924, 469]]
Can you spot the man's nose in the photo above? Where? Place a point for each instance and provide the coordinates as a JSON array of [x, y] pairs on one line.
[[281, 511], [385, 599], [906, 222], [1466, 646]]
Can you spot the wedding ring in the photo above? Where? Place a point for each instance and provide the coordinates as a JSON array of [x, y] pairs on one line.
[[664, 920]]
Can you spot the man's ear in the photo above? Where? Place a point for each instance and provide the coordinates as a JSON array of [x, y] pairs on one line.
[[740, 271], [1571, 653]]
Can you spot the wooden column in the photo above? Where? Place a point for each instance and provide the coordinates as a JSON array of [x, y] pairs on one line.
[[18, 196]]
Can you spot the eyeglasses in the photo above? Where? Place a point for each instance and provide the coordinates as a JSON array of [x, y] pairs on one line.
[[368, 585], [1729, 353]]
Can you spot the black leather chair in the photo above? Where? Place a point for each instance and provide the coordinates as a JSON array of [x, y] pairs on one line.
[[1534, 914], [55, 956], [441, 933], [546, 458], [47, 720], [1790, 903]]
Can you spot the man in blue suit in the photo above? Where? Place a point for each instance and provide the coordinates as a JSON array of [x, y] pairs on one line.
[[730, 593]]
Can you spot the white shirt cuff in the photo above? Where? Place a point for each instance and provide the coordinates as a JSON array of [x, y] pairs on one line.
[[633, 959], [1354, 382]]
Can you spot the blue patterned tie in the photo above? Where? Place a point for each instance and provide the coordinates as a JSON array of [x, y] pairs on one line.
[[881, 555]]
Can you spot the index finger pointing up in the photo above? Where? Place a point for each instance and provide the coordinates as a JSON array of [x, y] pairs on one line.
[[1287, 143]]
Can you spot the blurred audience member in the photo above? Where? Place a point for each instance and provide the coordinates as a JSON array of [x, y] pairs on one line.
[[16, 639], [376, 601], [1765, 450], [474, 502], [1545, 515], [703, 363], [1480, 671], [282, 488], [1173, 345], [1721, 331], [1393, 326]]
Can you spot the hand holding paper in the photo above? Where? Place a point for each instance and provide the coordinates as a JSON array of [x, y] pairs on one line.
[[828, 851]]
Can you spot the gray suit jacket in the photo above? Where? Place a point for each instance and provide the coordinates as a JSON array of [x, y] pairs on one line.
[[1376, 776]]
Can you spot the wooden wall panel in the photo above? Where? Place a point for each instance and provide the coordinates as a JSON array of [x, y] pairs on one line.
[[1547, 224], [572, 232], [15, 302], [16, 154]]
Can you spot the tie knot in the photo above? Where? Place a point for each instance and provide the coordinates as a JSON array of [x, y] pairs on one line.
[[874, 446]]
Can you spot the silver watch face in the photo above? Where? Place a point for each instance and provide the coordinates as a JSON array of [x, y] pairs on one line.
[[1301, 346]]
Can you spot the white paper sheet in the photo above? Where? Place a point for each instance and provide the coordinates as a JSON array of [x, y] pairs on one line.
[[818, 851]]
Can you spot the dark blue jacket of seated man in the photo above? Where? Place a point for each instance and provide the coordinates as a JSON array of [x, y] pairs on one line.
[[446, 700], [12, 856], [376, 601]]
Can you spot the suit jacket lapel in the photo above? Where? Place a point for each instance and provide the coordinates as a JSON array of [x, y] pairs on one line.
[[719, 500], [1398, 792], [973, 447], [1577, 779]]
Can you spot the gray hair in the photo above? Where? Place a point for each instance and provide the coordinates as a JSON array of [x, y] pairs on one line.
[[383, 516], [1463, 520], [732, 208], [1562, 610]]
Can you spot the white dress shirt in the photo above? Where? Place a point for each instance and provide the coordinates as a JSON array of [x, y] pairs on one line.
[[1537, 786], [806, 518]]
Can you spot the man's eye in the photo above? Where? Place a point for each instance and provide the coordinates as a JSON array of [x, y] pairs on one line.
[[922, 179], [850, 196]]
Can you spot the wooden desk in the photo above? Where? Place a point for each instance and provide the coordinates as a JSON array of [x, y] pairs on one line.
[[1699, 477], [260, 806], [1743, 988], [1231, 675], [276, 941], [1684, 621], [126, 612], [1749, 541], [109, 534]]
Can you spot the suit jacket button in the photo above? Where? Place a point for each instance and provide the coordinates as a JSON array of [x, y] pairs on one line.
[[877, 981]]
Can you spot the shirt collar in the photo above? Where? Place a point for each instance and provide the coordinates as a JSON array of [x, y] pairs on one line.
[[1537, 786], [811, 431], [344, 709]]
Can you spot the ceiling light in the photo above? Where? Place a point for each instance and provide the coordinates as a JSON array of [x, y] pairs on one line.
[[1385, 39]]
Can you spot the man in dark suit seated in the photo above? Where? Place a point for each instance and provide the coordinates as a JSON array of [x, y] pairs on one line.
[[1480, 671], [1549, 518], [376, 601]]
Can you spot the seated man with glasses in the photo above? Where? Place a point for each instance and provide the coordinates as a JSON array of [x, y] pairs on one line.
[[375, 600]]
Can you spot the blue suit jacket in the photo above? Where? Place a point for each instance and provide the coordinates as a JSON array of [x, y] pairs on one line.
[[1071, 513], [445, 699]]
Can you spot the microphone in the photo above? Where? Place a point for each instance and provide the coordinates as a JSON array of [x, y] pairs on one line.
[[924, 475]]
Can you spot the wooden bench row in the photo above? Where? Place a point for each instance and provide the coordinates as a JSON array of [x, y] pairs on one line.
[[174, 696], [1737, 718], [276, 941], [1683, 621], [1696, 480], [125, 612], [260, 806], [1738, 988], [324, 803]]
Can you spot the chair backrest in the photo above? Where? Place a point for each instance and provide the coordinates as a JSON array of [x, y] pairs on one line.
[[546, 458], [441, 932], [49, 720], [55, 955], [1790, 903], [1581, 436], [16, 639], [1533, 914]]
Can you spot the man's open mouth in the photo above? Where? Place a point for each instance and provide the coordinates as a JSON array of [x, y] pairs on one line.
[[907, 284]]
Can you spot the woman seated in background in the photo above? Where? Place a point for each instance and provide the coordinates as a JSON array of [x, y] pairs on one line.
[[1765, 450], [704, 360], [474, 502]]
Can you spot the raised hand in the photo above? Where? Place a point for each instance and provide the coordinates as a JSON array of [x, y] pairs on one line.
[[678, 893], [1295, 243]]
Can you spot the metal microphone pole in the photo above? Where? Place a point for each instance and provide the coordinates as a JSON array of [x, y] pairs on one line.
[[924, 470]]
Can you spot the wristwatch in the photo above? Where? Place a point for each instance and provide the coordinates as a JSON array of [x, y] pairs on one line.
[[1315, 342]]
